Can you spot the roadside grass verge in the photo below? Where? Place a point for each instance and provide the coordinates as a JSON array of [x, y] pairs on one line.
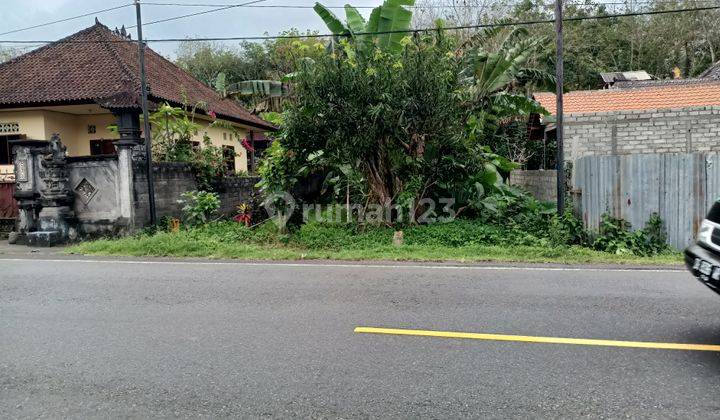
[[462, 242]]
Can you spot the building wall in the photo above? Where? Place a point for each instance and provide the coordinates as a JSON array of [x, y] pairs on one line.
[[73, 130], [32, 124], [225, 137], [679, 130]]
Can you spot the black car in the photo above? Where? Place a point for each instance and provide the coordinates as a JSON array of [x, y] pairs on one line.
[[703, 258]]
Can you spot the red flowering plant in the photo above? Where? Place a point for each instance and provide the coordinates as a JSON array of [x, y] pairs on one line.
[[244, 215], [212, 115], [246, 144]]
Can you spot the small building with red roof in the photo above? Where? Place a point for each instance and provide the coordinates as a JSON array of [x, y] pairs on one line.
[[650, 116]]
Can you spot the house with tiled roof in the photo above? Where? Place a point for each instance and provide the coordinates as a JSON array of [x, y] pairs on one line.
[[79, 86], [644, 116]]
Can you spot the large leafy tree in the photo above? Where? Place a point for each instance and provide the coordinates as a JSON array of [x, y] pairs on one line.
[[412, 122], [268, 60], [689, 41]]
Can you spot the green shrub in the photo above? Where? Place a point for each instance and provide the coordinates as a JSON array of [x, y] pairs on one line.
[[200, 206], [616, 237], [567, 230]]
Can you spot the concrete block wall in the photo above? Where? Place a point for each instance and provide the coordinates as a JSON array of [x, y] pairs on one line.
[[174, 179], [540, 183], [234, 191], [675, 130], [171, 181]]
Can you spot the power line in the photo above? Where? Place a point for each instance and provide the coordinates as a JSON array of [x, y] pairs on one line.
[[429, 6], [199, 13], [478, 26], [287, 6], [96, 12], [294, 6]]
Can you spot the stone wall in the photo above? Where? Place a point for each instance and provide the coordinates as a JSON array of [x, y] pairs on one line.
[[95, 183], [678, 130], [174, 179], [234, 191], [171, 181], [540, 183]]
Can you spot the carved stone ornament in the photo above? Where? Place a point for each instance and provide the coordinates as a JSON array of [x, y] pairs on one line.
[[85, 190], [55, 192], [21, 170]]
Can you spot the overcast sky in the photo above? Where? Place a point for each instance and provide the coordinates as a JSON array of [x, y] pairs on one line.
[[240, 21]]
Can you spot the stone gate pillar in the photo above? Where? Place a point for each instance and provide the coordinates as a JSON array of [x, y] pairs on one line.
[[54, 222], [129, 147], [26, 158]]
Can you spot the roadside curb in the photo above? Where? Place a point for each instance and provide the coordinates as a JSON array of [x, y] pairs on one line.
[[62, 256]]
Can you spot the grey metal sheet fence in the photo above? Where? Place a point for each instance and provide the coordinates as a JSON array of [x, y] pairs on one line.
[[679, 187]]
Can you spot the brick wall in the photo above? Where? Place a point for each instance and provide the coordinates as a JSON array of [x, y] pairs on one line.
[[540, 183], [174, 179], [679, 130]]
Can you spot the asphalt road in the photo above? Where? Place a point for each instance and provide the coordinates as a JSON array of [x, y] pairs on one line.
[[139, 340]]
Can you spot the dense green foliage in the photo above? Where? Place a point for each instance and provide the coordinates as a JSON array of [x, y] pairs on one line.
[[616, 236], [269, 60], [462, 240], [200, 206], [174, 131], [408, 120], [657, 43], [382, 31], [397, 118]]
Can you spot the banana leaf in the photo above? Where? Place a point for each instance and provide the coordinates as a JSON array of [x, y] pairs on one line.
[[267, 88], [393, 17], [355, 21], [332, 22]]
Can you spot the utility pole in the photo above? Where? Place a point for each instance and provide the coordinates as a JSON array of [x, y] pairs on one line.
[[559, 73], [146, 117]]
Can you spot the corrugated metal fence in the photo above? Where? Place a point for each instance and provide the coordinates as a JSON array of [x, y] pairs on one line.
[[679, 187]]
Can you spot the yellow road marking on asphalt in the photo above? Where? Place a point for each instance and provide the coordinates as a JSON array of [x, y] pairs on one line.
[[533, 339]]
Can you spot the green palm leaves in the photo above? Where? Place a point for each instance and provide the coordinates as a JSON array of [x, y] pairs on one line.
[[387, 26]]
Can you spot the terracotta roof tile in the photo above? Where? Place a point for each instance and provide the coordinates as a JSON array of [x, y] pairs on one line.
[[665, 96], [94, 66]]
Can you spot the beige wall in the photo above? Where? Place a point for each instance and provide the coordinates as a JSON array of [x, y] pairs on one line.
[[225, 137], [73, 130], [32, 123]]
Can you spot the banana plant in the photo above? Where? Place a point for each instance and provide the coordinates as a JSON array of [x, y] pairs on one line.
[[498, 79], [263, 95], [385, 29]]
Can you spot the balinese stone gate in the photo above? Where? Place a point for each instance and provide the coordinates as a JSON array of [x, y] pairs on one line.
[[63, 198], [60, 198]]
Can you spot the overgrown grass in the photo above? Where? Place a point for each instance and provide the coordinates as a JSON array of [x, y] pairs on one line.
[[464, 241]]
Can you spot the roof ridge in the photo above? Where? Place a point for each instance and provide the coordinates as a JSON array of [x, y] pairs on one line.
[[609, 91], [113, 50]]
